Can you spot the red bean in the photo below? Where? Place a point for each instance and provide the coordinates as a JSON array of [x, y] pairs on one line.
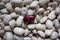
[[29, 18]]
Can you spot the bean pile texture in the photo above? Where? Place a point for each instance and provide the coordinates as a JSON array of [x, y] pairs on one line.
[[29, 19]]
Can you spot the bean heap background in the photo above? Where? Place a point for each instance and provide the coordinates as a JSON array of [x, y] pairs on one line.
[[29, 19]]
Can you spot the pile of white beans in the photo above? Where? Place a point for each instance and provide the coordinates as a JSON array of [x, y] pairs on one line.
[[46, 25]]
